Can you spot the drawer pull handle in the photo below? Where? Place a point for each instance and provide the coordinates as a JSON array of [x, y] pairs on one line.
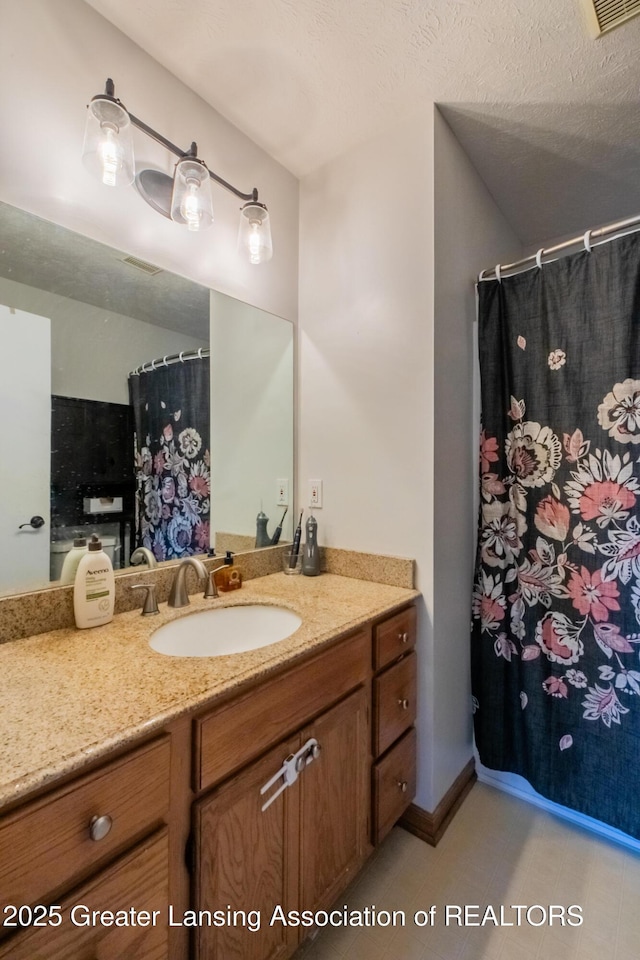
[[403, 784], [404, 703], [404, 637], [100, 827]]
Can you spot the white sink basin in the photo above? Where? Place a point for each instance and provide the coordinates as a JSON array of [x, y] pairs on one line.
[[225, 630]]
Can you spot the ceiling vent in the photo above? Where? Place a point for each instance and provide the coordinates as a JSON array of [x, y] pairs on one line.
[[148, 268], [604, 15]]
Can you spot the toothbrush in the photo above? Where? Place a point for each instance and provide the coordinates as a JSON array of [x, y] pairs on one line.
[[278, 530], [295, 549]]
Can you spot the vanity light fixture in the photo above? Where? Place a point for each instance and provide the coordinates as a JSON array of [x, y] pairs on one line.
[[185, 197]]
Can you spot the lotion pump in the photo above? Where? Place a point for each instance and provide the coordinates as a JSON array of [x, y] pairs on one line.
[[94, 587]]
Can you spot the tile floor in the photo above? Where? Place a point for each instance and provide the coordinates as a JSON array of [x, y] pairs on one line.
[[500, 851]]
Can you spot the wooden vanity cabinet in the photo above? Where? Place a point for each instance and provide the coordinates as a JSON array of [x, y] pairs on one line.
[[394, 714], [99, 842], [139, 879], [177, 823], [303, 849]]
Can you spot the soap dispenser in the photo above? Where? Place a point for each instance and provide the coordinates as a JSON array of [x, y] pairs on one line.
[[227, 577], [311, 554]]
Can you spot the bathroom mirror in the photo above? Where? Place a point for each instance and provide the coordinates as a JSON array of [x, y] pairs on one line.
[[138, 405]]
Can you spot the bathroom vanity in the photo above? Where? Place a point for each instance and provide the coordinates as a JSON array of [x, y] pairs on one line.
[[145, 819]]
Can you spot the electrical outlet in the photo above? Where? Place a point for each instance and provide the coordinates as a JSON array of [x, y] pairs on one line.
[[282, 493], [315, 494]]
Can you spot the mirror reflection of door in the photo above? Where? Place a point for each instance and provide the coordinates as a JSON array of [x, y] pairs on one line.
[[25, 402]]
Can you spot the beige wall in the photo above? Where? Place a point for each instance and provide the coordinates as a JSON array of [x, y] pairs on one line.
[[392, 236], [470, 234], [54, 56], [366, 363]]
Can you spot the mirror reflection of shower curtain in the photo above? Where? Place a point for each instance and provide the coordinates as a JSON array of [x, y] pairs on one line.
[[172, 464]]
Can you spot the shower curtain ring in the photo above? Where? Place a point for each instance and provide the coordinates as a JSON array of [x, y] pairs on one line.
[[164, 361], [481, 276], [587, 241], [199, 353], [180, 356], [539, 257], [498, 272], [153, 366]]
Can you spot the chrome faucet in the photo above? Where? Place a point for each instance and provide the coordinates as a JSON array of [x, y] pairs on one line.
[[142, 555], [178, 596]]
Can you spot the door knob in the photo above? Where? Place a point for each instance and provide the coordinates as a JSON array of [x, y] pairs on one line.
[[35, 522]]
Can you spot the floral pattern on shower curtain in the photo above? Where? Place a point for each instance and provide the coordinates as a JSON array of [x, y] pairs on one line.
[[173, 494], [556, 602]]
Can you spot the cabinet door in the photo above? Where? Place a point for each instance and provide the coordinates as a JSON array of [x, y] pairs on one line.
[[335, 802], [246, 861], [139, 880]]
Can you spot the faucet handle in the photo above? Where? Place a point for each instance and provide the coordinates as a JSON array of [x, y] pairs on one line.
[[150, 605], [211, 590]]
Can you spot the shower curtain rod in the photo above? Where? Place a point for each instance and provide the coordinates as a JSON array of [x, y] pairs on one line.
[[537, 259], [181, 357]]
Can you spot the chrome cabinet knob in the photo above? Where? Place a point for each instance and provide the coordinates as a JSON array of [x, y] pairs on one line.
[[403, 703], [316, 750], [300, 764], [403, 784], [404, 637], [99, 827]]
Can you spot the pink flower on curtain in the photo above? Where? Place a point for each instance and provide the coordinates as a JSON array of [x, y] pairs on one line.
[[489, 603], [606, 501], [601, 703], [559, 638], [556, 687], [488, 452], [552, 518], [590, 595]]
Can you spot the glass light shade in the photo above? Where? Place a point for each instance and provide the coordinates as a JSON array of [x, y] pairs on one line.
[[191, 198], [108, 144], [254, 236]]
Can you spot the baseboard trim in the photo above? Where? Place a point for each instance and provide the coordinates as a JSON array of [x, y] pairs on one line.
[[431, 826]]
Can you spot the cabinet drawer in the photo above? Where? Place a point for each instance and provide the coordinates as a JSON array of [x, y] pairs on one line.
[[394, 699], [394, 785], [47, 844], [231, 736], [139, 880], [394, 637]]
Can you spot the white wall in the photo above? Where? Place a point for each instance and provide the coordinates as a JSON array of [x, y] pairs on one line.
[[93, 350], [54, 56], [392, 236], [470, 234], [366, 363]]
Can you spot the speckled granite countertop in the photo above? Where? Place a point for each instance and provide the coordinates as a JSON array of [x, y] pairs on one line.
[[70, 696]]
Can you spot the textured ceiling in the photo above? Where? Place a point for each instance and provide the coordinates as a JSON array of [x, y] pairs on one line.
[[548, 115]]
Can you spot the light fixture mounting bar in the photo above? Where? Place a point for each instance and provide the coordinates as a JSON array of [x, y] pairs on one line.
[[175, 150]]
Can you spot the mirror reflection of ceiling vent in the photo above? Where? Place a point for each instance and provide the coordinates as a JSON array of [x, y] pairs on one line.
[[149, 267], [607, 14]]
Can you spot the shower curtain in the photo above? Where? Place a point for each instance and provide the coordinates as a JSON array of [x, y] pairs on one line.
[[171, 416], [556, 603]]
